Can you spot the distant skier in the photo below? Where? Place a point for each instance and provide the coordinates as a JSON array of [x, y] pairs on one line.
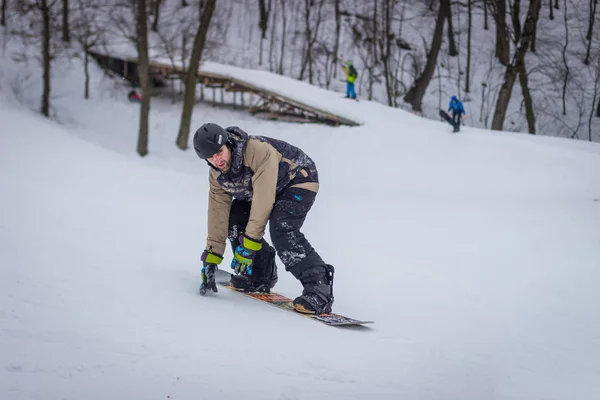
[[133, 96], [254, 180], [458, 112], [351, 75]]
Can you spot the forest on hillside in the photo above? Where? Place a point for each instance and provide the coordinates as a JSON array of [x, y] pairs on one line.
[[530, 66]]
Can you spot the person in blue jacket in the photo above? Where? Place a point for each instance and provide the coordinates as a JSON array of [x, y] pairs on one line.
[[458, 112]]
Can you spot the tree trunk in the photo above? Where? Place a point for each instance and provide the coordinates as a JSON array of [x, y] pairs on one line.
[[338, 26], [307, 54], [66, 34], [184, 3], [283, 34], [551, 10], [386, 51], [3, 13], [594, 98], [263, 24], [534, 37], [144, 76], [45, 109], [593, 6], [191, 74], [156, 4], [417, 90], [513, 68], [469, 29], [515, 11], [485, 15], [565, 62], [502, 42], [86, 71], [272, 64], [452, 51], [527, 99]]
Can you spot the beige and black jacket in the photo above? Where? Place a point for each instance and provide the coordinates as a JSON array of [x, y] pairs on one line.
[[261, 168]]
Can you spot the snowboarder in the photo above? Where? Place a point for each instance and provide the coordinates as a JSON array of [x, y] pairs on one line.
[[458, 112], [254, 180], [351, 75]]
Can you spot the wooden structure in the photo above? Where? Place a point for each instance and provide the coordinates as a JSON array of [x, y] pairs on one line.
[[262, 102]]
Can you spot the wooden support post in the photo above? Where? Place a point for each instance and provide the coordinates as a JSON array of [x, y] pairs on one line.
[[201, 92], [222, 99], [214, 95], [172, 91]]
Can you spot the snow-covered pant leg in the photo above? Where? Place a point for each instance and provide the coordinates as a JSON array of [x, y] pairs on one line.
[[264, 260], [288, 215]]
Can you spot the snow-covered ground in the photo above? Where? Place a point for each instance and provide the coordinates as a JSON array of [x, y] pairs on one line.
[[475, 254]]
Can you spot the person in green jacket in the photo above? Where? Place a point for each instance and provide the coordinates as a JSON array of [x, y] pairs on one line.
[[351, 75]]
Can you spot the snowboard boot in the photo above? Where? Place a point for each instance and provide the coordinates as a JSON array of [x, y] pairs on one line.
[[317, 296], [263, 277]]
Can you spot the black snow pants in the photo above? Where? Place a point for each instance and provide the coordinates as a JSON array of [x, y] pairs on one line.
[[287, 217], [456, 117]]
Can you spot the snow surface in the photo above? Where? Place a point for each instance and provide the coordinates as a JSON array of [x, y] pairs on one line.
[[476, 254]]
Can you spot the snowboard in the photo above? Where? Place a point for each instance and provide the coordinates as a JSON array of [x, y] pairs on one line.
[[284, 303], [448, 119]]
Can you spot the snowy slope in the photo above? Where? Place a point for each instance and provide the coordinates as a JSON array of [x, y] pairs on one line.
[[476, 254]]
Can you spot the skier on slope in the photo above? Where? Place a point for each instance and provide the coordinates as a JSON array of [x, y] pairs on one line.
[[458, 112], [254, 180]]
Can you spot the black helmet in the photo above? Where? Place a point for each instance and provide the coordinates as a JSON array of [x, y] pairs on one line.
[[208, 140]]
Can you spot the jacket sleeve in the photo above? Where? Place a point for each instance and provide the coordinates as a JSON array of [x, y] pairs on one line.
[[263, 160], [219, 205]]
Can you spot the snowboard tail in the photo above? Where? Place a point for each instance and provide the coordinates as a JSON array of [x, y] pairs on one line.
[[284, 303], [449, 119]]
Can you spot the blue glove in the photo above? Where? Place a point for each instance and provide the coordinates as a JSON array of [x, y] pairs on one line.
[[243, 256]]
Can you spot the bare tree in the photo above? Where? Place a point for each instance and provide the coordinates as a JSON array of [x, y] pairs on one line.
[[588, 36], [338, 27], [529, 113], [452, 50], [485, 15], [265, 10], [595, 96], [88, 32], [415, 95], [66, 32], [44, 6], [386, 39], [565, 63], [469, 32], [311, 34], [534, 37], [3, 13], [191, 74], [283, 35], [144, 75], [498, 8], [515, 66], [156, 4]]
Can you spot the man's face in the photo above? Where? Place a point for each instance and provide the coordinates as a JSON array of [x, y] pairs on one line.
[[221, 159]]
